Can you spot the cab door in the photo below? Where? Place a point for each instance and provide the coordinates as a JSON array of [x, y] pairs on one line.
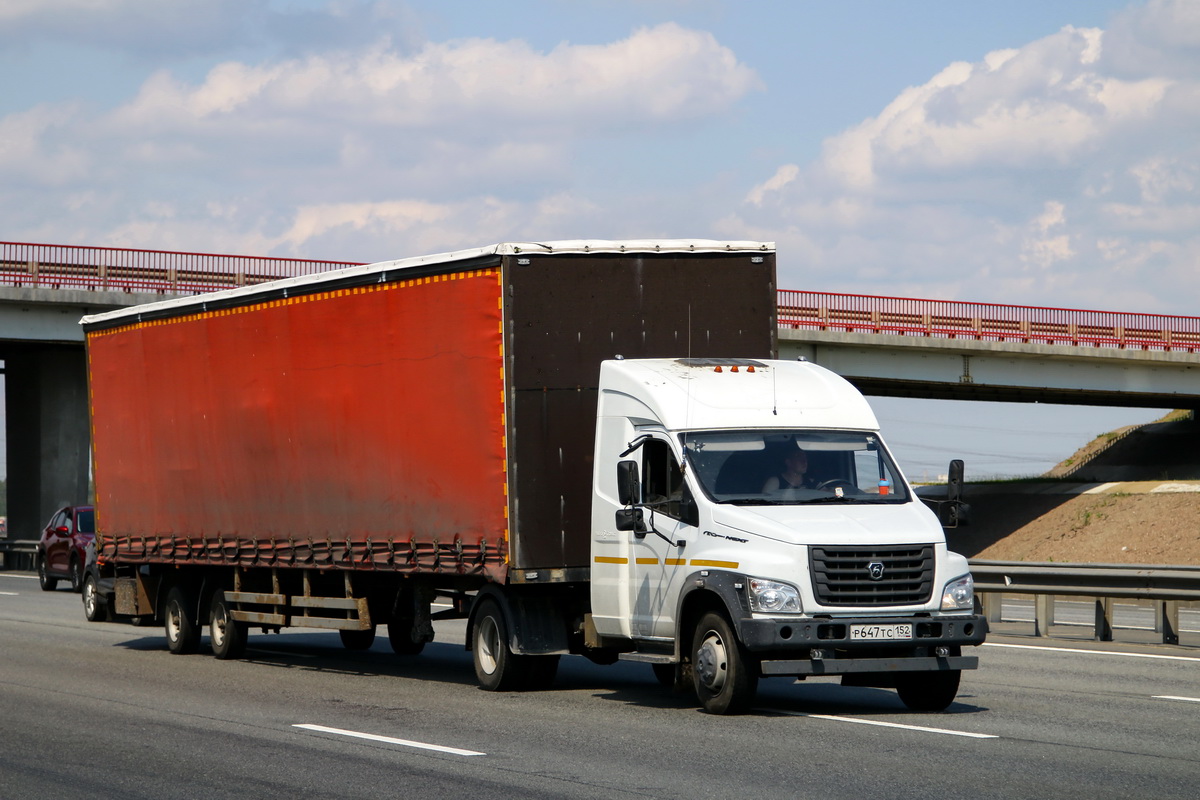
[[660, 551]]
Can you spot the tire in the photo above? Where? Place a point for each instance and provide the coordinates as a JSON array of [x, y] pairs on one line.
[[928, 691], [227, 635], [358, 640], [94, 609], [183, 634], [76, 575], [400, 636], [497, 668], [47, 583], [725, 678]]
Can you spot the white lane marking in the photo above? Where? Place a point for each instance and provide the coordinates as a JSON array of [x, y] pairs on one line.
[[880, 724], [1173, 697], [11, 594], [21, 577], [1091, 652], [1100, 489], [390, 740]]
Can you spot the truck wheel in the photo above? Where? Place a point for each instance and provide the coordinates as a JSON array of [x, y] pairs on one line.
[[725, 681], [183, 634], [93, 608], [497, 668], [47, 583], [358, 640], [227, 635], [400, 635], [76, 575], [928, 691]]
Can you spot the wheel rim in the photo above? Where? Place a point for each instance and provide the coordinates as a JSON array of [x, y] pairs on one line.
[[712, 662], [487, 643], [218, 627], [89, 597], [174, 623]]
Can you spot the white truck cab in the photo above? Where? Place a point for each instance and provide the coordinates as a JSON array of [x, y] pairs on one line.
[[748, 521]]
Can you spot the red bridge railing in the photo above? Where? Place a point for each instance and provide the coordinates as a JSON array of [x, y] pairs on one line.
[[163, 271], [951, 319], [155, 271]]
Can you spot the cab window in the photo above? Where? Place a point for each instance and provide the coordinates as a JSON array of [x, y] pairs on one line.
[[663, 488]]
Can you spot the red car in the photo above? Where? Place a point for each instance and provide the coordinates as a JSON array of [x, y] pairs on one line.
[[60, 551]]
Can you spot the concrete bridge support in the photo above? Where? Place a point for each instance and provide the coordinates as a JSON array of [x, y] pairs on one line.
[[49, 437]]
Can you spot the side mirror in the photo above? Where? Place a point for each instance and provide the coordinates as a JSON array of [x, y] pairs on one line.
[[954, 480], [954, 512], [628, 483]]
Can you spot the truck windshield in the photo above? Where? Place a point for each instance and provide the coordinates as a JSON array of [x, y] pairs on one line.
[[793, 467]]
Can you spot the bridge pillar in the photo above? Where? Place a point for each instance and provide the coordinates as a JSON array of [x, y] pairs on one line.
[[49, 437]]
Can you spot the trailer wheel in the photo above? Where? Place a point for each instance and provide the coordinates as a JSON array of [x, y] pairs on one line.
[[497, 668], [928, 691], [400, 634], [723, 675], [183, 634], [47, 583], [227, 635], [358, 640], [93, 609]]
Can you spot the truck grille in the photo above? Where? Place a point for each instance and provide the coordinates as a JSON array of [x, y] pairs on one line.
[[852, 575]]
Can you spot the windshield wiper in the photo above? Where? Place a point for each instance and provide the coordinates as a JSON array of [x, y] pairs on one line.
[[753, 501], [832, 498]]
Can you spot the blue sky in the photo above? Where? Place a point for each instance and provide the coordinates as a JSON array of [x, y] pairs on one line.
[[1038, 153]]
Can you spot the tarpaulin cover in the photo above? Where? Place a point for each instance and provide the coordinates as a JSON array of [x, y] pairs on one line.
[[363, 412]]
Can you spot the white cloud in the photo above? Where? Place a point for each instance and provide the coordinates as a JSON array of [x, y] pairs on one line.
[[1054, 173], [369, 141]]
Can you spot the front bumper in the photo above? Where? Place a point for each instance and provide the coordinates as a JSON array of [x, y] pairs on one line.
[[822, 646]]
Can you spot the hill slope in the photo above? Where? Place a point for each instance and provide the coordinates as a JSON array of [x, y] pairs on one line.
[[1141, 526]]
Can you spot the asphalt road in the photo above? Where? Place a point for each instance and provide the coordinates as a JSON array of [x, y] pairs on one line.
[[103, 710]]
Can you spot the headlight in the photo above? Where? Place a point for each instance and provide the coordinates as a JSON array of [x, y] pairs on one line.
[[772, 597], [959, 593]]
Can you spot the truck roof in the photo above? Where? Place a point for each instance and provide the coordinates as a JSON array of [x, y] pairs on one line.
[[716, 393], [401, 269]]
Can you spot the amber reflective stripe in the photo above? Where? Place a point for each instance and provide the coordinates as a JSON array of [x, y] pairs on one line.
[[611, 560], [645, 561], [676, 562], [704, 562]]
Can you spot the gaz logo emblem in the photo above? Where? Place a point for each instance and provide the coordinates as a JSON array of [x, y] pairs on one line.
[[875, 570]]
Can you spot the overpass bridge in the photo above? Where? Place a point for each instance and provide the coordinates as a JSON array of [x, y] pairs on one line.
[[886, 346]]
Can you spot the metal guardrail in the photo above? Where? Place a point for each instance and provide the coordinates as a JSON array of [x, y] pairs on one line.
[[1165, 586], [17, 553]]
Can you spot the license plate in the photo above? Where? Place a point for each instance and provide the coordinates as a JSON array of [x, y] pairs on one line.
[[881, 632]]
